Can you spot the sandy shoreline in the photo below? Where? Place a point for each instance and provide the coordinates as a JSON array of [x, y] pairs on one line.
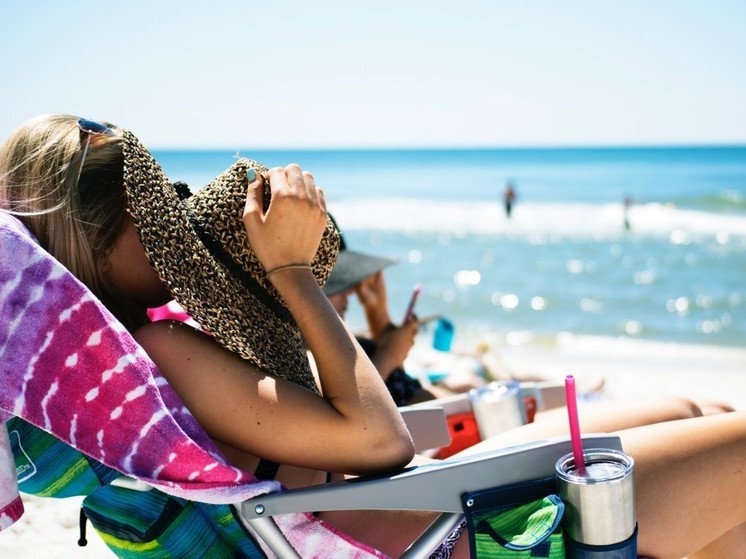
[[49, 528], [635, 371]]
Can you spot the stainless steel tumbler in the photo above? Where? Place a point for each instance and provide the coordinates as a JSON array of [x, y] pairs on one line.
[[498, 407], [599, 502]]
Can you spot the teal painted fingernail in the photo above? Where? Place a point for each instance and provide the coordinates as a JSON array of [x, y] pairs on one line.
[[251, 174]]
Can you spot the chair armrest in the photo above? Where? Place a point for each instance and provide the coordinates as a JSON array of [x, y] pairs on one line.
[[432, 487], [451, 405], [549, 394], [427, 425]]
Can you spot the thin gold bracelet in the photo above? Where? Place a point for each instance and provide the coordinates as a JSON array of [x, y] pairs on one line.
[[289, 267]]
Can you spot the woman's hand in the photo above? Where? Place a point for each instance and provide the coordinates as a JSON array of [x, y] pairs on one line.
[[371, 292], [393, 345], [290, 231]]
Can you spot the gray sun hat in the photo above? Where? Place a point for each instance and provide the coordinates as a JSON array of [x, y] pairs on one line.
[[353, 267], [198, 245]]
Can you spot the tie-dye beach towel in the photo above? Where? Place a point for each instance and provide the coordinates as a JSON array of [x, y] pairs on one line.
[[68, 367]]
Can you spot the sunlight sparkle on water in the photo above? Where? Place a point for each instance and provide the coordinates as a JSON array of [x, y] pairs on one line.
[[680, 305], [632, 327], [509, 301], [415, 256], [467, 277], [538, 303]]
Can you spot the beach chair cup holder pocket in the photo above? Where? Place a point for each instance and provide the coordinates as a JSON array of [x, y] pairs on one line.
[[516, 521], [524, 520]]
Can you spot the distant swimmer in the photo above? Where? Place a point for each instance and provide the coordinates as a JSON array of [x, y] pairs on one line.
[[509, 197], [627, 205]]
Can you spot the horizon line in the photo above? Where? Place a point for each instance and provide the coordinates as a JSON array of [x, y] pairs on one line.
[[475, 147]]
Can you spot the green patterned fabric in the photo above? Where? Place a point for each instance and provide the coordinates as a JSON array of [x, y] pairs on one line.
[[133, 524], [47, 467], [151, 525], [515, 521], [529, 530]]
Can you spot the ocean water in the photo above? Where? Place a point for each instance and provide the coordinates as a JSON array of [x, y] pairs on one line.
[[564, 264]]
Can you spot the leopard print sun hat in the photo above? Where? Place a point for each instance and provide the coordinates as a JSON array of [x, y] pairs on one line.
[[198, 245]]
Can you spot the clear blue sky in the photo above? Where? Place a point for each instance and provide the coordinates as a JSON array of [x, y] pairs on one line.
[[316, 73]]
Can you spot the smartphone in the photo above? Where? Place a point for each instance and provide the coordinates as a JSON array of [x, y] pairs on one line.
[[412, 301], [425, 320]]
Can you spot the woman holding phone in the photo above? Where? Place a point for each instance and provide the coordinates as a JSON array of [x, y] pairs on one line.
[[387, 344]]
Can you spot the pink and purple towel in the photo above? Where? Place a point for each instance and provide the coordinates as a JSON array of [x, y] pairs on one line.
[[70, 368]]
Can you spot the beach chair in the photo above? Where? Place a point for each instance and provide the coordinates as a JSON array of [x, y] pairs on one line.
[[139, 531], [444, 487], [89, 414]]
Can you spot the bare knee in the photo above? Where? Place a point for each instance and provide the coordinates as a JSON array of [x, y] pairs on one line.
[[687, 408], [683, 408], [712, 408]]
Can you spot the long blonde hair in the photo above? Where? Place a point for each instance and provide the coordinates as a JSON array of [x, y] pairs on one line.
[[76, 219]]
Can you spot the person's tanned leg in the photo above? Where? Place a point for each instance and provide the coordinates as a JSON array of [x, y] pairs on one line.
[[690, 484]]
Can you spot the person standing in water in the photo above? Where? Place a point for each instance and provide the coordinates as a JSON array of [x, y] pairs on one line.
[[509, 197], [627, 205]]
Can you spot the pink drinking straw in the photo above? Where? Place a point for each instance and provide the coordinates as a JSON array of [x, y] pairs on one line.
[[572, 413]]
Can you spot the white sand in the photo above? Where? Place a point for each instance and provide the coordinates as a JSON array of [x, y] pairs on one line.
[[49, 528], [634, 370]]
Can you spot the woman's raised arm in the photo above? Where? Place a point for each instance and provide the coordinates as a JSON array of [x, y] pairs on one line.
[[354, 427]]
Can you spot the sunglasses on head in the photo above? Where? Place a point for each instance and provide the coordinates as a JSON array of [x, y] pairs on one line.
[[90, 128]]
